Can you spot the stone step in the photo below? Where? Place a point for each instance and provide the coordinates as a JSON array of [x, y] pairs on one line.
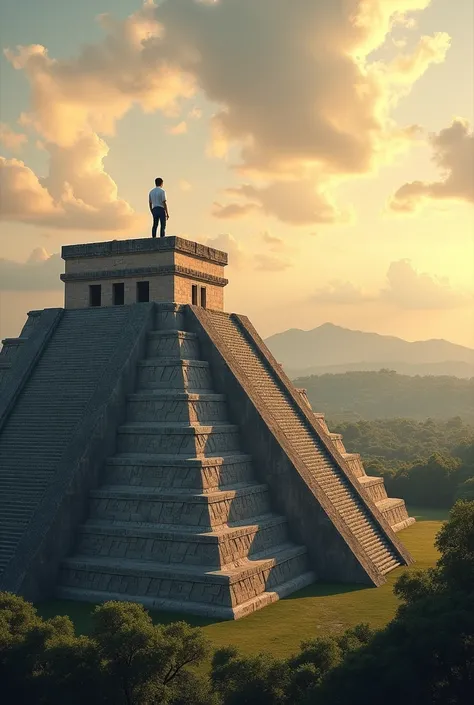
[[198, 608], [374, 486], [346, 504], [227, 587], [404, 524], [394, 510], [18, 472], [378, 551], [368, 539], [199, 474], [389, 503], [178, 438], [321, 421], [16, 506], [169, 316], [174, 373], [156, 504], [11, 486], [388, 565], [355, 464], [176, 405], [169, 544], [173, 343], [336, 438], [22, 486]]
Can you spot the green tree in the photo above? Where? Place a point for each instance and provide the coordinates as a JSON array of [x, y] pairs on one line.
[[465, 490], [126, 660], [455, 542], [249, 680], [429, 483], [24, 642], [145, 663], [425, 656]]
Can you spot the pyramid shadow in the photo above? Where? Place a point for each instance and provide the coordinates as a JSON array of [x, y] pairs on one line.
[[325, 590]]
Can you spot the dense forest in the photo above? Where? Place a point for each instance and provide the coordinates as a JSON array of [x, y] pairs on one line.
[[385, 394], [424, 656], [429, 464]]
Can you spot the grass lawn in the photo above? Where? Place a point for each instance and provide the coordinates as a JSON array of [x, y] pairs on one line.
[[318, 609]]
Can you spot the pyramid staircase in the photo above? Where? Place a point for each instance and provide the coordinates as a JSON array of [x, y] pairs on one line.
[[352, 512], [181, 522], [393, 509]]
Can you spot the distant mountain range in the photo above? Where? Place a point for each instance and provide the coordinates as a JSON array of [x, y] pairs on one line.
[[333, 349]]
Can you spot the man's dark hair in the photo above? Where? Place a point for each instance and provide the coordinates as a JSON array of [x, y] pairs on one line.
[[159, 182]]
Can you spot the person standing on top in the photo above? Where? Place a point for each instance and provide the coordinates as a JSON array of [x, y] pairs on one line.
[[158, 208]]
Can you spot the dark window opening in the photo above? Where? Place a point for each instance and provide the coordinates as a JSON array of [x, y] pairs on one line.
[[203, 296], [143, 292], [194, 290], [95, 295], [119, 294]]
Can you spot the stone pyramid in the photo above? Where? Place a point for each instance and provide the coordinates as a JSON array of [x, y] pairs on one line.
[[156, 452]]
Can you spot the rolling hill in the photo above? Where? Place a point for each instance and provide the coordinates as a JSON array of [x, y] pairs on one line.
[[333, 349]]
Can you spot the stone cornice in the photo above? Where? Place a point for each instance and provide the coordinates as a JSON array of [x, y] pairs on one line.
[[172, 269], [115, 248]]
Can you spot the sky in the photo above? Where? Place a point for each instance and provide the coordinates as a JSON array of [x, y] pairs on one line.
[[327, 145]]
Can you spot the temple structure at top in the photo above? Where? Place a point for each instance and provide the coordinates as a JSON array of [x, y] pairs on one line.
[[137, 271], [153, 450]]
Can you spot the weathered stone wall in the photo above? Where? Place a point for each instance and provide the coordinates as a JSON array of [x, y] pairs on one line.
[[191, 262], [183, 292], [77, 292], [112, 263]]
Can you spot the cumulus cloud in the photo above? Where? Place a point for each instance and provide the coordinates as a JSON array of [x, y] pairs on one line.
[[300, 96], [95, 89], [232, 211], [21, 195], [77, 193], [39, 273], [246, 258], [341, 293], [271, 263], [272, 241], [292, 202], [238, 258], [453, 154], [314, 97], [180, 129], [410, 289], [406, 289], [72, 100], [408, 68], [11, 140]]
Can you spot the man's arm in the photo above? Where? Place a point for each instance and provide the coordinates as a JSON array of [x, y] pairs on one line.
[[149, 203], [165, 206]]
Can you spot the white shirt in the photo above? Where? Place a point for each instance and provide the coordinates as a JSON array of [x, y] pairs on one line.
[[157, 197]]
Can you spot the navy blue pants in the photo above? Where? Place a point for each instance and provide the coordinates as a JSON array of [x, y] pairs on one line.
[[159, 216]]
